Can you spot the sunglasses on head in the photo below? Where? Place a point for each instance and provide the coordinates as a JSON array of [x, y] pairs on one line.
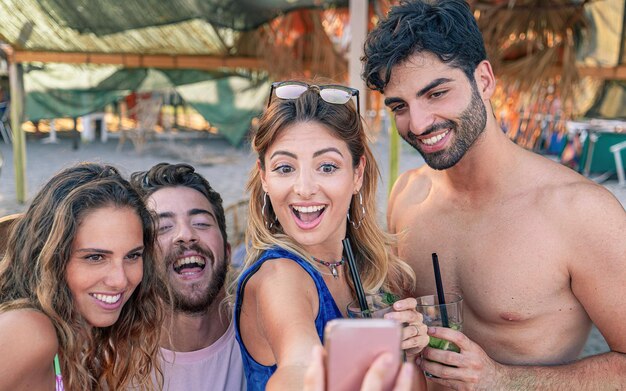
[[330, 93]]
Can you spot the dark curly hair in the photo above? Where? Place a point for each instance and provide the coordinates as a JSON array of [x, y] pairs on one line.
[[445, 28], [171, 175]]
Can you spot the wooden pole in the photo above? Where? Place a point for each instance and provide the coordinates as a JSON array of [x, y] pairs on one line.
[[16, 77], [394, 152], [358, 27]]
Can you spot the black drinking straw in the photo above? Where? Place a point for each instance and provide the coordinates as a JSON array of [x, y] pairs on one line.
[[356, 279], [440, 294]]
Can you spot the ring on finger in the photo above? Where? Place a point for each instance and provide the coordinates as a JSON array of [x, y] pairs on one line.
[[417, 330]]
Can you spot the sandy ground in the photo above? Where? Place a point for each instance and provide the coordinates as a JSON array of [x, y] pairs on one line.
[[224, 166]]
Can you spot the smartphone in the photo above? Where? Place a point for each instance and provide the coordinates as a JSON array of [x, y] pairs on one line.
[[352, 345]]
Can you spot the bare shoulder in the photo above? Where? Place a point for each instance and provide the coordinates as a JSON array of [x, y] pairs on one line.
[[589, 216], [575, 197], [416, 183], [29, 338], [415, 178], [280, 270], [281, 280], [28, 325]]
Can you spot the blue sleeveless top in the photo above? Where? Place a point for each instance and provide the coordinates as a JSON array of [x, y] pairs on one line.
[[257, 375]]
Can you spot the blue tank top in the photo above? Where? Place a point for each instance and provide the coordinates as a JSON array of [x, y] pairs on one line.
[[257, 375]]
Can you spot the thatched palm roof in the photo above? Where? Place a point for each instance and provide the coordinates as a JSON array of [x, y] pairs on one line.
[[200, 34], [528, 41]]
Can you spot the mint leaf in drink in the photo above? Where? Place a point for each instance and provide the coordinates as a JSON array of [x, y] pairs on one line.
[[389, 298], [442, 344], [436, 343]]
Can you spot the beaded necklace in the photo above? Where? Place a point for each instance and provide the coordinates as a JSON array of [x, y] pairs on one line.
[[331, 265]]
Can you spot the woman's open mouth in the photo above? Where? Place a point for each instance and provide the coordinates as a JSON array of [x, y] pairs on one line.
[[308, 217]]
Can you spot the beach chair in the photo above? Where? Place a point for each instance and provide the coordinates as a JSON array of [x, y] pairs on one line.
[[146, 113], [237, 221], [616, 150], [5, 126], [6, 222]]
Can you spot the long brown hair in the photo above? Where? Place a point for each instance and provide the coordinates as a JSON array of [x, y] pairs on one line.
[[378, 266], [32, 275]]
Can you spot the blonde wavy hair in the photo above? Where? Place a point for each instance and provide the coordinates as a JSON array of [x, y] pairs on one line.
[[32, 275], [378, 267]]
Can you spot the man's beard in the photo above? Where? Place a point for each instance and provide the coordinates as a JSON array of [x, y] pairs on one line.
[[465, 132], [199, 302]]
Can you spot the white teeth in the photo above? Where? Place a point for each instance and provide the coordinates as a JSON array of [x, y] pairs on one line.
[[186, 260], [434, 139], [308, 209], [107, 298]]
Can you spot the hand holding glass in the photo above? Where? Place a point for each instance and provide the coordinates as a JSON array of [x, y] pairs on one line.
[[430, 308], [379, 304]]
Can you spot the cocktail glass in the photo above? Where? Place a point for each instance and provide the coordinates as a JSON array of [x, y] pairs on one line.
[[379, 304], [430, 308]]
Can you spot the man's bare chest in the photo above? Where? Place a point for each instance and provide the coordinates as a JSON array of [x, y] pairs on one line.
[[508, 266]]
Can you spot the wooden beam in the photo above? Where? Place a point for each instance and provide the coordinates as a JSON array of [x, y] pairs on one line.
[[358, 27], [597, 72], [618, 72], [19, 139], [202, 62]]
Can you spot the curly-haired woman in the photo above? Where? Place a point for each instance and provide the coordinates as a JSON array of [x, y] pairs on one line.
[[78, 287]]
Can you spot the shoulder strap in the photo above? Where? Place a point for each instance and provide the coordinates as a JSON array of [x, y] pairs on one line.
[[57, 366]]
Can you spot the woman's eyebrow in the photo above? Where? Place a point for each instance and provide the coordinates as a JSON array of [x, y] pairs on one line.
[[284, 153], [326, 150]]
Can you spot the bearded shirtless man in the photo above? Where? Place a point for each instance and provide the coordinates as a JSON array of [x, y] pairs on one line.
[[537, 251]]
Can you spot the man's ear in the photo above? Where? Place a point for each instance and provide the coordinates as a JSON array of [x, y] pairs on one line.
[[228, 252], [485, 80]]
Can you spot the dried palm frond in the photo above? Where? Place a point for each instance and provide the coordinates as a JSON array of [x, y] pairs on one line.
[[531, 41], [295, 45]]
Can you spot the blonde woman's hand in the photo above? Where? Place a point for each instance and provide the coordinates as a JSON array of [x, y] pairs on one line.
[[415, 332], [407, 380]]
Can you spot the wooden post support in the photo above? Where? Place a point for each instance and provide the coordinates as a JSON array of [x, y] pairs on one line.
[[394, 152], [16, 77], [358, 28]]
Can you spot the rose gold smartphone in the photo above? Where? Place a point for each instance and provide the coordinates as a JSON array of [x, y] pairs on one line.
[[352, 345]]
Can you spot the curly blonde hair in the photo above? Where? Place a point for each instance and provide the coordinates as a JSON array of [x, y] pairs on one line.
[[32, 275], [378, 267]]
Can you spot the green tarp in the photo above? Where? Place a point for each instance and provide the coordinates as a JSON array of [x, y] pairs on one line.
[[102, 17], [67, 103], [227, 101]]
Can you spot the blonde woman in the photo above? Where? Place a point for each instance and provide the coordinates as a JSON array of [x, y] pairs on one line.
[[78, 287], [314, 184]]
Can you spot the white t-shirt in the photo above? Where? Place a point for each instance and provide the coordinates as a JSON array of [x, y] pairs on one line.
[[217, 367]]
